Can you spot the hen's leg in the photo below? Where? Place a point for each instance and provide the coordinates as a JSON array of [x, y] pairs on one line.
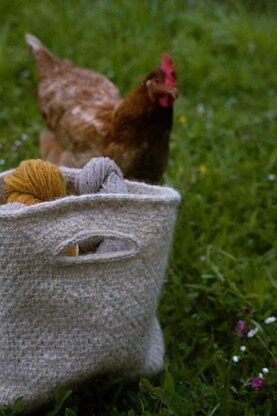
[[68, 159], [50, 149]]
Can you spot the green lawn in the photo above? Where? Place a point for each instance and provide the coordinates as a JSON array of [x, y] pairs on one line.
[[224, 162]]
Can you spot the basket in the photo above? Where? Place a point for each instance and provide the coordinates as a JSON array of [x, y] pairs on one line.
[[64, 319]]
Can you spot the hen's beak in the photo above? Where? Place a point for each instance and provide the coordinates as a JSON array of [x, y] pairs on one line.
[[173, 92]]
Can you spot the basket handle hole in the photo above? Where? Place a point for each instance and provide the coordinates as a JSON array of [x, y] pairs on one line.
[[97, 247], [104, 245]]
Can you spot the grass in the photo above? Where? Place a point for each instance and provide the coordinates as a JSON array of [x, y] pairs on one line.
[[223, 161]]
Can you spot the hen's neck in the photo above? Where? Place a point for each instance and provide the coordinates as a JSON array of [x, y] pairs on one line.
[[137, 113], [136, 102]]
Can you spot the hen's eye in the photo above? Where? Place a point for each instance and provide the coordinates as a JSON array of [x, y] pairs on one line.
[[157, 81]]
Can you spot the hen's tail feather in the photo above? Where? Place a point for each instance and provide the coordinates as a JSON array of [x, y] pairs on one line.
[[44, 58], [33, 42]]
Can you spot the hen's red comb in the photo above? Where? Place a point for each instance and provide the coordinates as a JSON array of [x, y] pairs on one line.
[[169, 69]]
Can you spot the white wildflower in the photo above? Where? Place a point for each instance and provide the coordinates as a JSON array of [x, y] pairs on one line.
[[235, 358], [271, 177], [265, 370], [252, 332], [200, 108], [243, 348], [270, 319], [24, 137]]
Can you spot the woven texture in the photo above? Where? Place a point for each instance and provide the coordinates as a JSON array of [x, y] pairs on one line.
[[63, 319]]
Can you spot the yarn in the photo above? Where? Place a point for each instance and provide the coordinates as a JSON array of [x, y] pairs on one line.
[[36, 181], [101, 175]]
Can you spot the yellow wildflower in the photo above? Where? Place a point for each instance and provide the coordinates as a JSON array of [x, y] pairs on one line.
[[203, 169], [182, 119]]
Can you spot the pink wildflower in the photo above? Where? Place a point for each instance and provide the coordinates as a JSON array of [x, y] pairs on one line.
[[242, 328], [257, 382]]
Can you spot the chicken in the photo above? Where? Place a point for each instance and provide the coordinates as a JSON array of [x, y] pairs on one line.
[[86, 117]]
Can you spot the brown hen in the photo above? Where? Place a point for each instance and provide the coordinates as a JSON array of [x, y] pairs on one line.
[[86, 117]]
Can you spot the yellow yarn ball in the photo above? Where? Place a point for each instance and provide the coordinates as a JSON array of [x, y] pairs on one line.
[[35, 181]]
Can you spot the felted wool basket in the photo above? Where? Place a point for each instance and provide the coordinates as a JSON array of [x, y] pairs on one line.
[[65, 318]]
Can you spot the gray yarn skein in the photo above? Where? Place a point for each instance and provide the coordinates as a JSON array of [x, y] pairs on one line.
[[101, 175]]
